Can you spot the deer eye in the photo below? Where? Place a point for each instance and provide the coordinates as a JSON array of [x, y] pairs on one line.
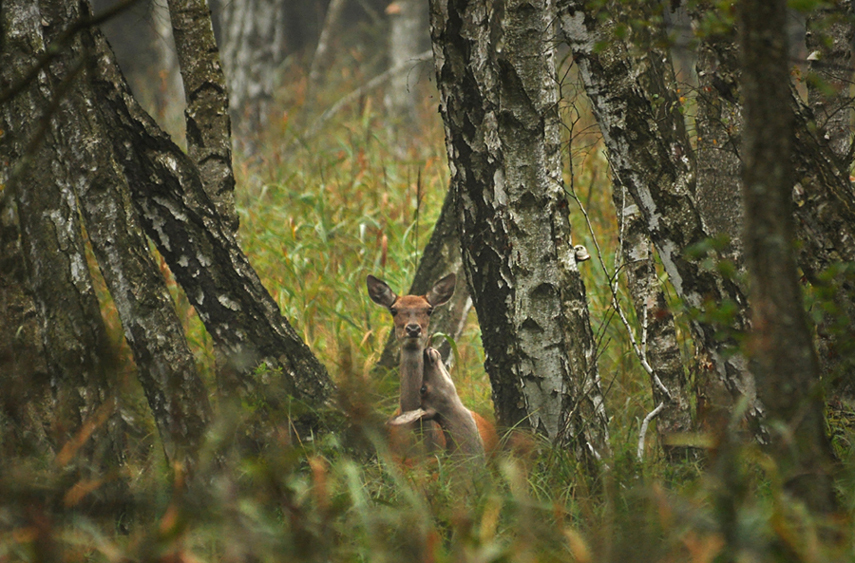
[[393, 310], [423, 390], [430, 311]]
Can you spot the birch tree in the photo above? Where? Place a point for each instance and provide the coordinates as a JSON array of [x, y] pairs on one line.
[[498, 99], [131, 182], [780, 346]]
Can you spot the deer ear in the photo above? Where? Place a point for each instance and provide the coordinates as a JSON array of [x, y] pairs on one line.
[[379, 292], [411, 416], [442, 290]]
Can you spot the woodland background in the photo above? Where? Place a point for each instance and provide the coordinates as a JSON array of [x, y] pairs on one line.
[[190, 366]]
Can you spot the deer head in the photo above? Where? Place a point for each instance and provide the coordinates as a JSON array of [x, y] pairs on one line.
[[411, 313]]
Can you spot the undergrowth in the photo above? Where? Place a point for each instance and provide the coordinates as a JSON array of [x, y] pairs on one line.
[[317, 216]]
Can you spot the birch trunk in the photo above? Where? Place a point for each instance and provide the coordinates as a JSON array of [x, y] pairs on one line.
[[253, 47], [498, 99], [638, 134], [658, 338], [75, 343], [208, 125], [244, 321]]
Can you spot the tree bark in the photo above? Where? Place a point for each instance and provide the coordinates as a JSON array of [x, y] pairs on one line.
[[650, 155], [829, 37], [207, 115], [244, 321], [780, 344], [659, 335], [166, 366], [498, 99], [75, 340], [407, 39], [253, 47], [719, 127]]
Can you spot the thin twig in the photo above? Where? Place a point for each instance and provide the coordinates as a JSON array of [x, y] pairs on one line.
[[644, 424]]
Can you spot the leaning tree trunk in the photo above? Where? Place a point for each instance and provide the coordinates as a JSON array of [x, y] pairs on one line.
[[208, 126], [168, 193], [498, 92], [77, 351], [148, 175], [649, 152], [780, 345], [166, 367]]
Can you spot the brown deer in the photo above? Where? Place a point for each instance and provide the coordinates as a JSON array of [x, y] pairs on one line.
[[411, 315], [441, 403]]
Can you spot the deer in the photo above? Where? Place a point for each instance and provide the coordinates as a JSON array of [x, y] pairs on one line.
[[441, 403], [411, 316]]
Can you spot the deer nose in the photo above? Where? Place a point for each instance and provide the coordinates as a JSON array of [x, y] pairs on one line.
[[413, 330]]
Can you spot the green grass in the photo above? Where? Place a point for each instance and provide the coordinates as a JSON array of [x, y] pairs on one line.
[[316, 218]]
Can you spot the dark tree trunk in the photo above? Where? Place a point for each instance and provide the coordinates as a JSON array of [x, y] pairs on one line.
[[780, 345], [823, 196], [244, 321], [497, 81], [86, 165], [207, 115], [106, 152], [440, 257]]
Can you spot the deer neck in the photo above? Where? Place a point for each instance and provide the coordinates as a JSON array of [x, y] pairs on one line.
[[411, 371], [461, 432]]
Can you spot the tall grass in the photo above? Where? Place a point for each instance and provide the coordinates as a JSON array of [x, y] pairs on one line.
[[317, 216]]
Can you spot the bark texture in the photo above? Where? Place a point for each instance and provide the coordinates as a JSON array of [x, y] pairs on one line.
[[829, 36], [166, 366], [253, 42], [407, 39], [498, 100], [207, 121], [637, 109], [719, 126], [658, 339], [780, 345], [167, 190], [75, 341]]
